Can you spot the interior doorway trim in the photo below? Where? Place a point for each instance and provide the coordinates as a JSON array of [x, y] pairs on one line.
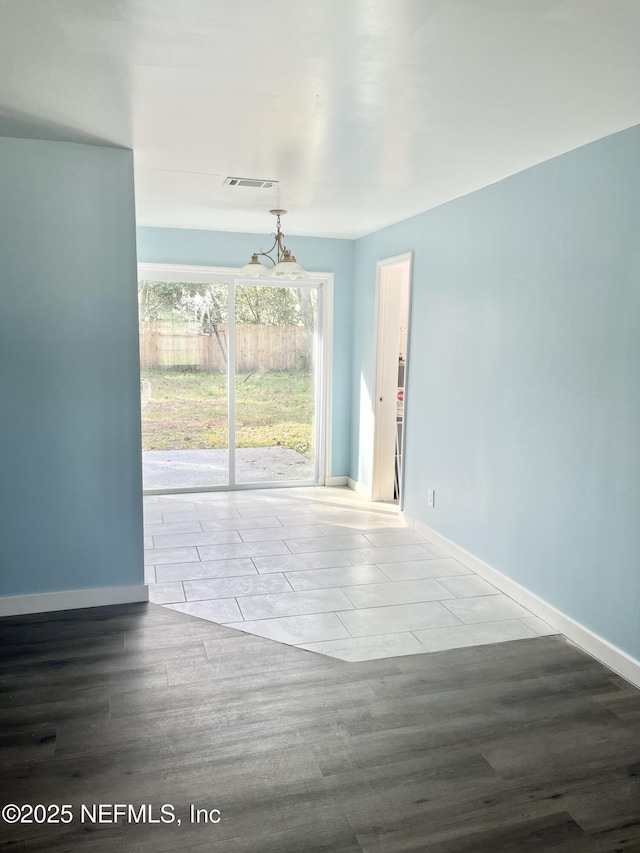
[[324, 281], [383, 407]]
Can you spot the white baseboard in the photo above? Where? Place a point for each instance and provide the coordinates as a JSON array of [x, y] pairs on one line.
[[72, 599], [359, 489], [604, 651], [335, 481]]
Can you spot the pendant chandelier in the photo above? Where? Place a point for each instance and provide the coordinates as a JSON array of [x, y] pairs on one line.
[[284, 263]]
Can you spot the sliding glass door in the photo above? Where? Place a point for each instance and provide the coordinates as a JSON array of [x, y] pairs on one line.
[[231, 380], [184, 368], [275, 383]]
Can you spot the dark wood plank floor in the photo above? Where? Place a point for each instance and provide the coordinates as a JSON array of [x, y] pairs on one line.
[[523, 746]]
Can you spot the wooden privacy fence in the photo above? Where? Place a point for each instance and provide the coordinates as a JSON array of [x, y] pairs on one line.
[[257, 347]]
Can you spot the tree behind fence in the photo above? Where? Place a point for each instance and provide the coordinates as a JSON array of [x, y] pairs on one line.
[[257, 347]]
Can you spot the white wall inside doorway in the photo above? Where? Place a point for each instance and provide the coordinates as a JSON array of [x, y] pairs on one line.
[[393, 294]]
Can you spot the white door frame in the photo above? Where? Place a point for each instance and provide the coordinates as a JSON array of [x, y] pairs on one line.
[[230, 275], [379, 425]]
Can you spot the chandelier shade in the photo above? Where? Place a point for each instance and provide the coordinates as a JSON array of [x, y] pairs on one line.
[[255, 268]]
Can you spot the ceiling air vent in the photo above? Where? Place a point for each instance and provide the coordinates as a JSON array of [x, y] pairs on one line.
[[250, 182]]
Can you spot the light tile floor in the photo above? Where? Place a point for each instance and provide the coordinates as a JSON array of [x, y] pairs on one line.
[[321, 569]]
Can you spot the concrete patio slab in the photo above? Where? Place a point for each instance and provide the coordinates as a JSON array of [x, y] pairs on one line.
[[175, 469]]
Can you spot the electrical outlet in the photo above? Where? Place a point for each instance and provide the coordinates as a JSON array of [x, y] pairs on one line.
[[431, 497]]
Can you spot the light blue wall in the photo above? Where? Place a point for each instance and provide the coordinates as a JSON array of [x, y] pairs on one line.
[[316, 254], [523, 404], [70, 481]]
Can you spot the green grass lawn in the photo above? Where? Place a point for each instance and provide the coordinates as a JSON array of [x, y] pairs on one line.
[[188, 410]]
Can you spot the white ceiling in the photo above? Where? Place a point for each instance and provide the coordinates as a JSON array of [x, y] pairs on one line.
[[366, 111]]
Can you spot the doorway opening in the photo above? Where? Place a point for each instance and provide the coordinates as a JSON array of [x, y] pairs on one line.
[[393, 297], [232, 380]]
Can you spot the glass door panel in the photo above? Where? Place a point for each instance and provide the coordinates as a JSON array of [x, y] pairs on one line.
[[276, 346], [184, 377]]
